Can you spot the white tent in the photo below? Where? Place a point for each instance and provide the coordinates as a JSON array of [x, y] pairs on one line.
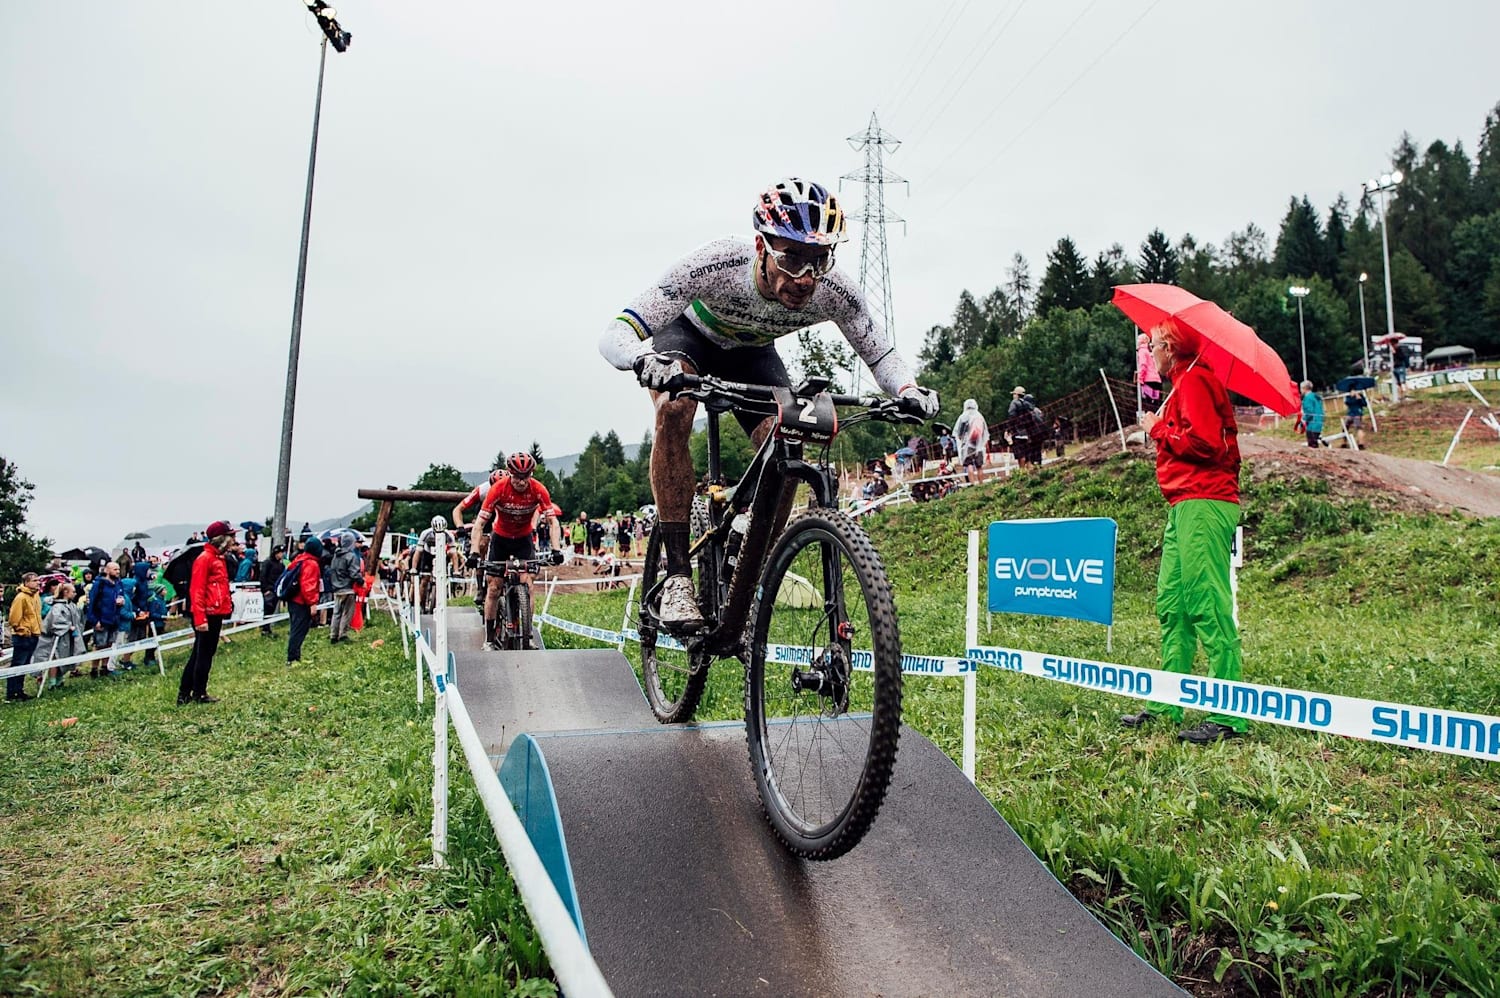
[[1450, 355]]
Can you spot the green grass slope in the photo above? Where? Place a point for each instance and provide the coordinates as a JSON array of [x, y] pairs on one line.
[[1287, 862], [269, 844]]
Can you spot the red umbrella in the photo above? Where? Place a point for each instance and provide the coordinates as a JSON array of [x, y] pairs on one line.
[[1238, 358]]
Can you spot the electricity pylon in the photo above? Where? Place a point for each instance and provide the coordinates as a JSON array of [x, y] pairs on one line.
[[874, 261]]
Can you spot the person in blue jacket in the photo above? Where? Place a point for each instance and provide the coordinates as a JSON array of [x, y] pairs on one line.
[[1312, 414], [105, 602]]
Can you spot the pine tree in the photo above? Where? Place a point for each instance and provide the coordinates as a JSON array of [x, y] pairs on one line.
[[937, 350], [1066, 281], [1335, 244], [20, 552], [1018, 287], [1159, 262], [1486, 193], [1111, 267], [968, 324], [1299, 248]]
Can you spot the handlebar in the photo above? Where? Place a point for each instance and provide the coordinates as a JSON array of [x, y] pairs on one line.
[[708, 389], [531, 565]]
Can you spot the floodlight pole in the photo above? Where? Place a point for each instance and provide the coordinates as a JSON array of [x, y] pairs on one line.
[[1380, 186], [332, 32], [1364, 332], [1298, 292]]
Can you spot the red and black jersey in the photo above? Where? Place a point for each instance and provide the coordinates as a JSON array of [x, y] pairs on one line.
[[474, 498], [514, 510]]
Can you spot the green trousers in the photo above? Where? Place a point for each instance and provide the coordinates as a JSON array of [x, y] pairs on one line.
[[1193, 601]]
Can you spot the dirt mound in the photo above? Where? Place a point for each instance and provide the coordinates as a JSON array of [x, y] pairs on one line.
[[1386, 482]]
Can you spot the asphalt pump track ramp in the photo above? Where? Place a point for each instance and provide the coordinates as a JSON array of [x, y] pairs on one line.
[[656, 839]]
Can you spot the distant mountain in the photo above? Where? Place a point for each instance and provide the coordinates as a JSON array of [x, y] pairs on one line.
[[174, 535]]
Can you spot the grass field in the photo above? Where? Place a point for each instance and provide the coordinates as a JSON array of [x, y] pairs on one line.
[[1284, 863], [270, 844]]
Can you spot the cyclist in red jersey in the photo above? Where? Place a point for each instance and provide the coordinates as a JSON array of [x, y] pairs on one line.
[[511, 510], [474, 499]]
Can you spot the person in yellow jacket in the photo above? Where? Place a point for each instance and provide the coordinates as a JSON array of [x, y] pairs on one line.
[[25, 622]]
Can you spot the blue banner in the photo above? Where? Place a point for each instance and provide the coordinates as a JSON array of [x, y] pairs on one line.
[[1053, 568]]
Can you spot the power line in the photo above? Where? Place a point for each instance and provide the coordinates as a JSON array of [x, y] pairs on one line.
[[920, 48], [1016, 86], [932, 120], [933, 55], [1043, 113]]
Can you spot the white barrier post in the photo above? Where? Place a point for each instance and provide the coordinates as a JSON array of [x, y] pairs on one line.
[[439, 774], [551, 588], [161, 656], [440, 700], [440, 583], [1456, 436], [625, 621], [971, 639], [1110, 392]]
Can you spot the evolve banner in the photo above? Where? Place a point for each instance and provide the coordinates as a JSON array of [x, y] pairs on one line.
[[1054, 568]]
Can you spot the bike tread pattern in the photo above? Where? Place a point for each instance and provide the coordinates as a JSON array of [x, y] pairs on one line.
[[880, 760], [666, 709]]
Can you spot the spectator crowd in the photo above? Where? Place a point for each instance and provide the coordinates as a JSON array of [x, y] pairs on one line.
[[97, 610]]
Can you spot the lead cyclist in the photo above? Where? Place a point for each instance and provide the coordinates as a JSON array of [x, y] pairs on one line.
[[719, 311]]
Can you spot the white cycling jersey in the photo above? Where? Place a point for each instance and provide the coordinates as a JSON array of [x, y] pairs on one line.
[[713, 287]]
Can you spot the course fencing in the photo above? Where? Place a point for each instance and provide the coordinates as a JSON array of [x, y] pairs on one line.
[[181, 638], [561, 936], [1475, 736]]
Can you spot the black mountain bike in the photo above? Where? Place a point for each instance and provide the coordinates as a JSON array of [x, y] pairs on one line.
[[804, 603], [515, 631]]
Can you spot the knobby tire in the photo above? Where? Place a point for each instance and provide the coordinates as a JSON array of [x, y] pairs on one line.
[[865, 739], [672, 692]]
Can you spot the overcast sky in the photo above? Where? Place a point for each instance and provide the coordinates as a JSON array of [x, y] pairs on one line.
[[496, 180]]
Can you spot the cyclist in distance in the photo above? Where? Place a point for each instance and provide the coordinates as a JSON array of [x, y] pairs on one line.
[[511, 510], [718, 311]]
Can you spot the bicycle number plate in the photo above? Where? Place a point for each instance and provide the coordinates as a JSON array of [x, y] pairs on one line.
[[810, 419]]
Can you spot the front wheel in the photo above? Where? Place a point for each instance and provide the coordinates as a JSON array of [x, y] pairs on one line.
[[525, 637], [823, 685]]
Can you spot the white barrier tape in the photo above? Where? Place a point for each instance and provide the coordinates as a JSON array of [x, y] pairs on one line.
[[583, 630], [165, 642], [916, 665], [592, 580], [1454, 732], [922, 665]]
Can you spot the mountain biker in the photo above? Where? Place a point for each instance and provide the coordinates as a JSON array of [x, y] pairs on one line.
[[514, 503], [473, 500], [718, 311]]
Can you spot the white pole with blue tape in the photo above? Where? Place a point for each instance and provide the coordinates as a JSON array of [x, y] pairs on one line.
[[971, 638]]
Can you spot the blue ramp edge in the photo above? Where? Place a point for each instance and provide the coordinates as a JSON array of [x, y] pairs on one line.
[[528, 783]]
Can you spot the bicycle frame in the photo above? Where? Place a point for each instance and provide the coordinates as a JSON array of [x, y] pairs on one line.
[[510, 572], [777, 468]]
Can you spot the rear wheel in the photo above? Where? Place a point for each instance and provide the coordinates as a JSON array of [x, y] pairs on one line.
[[823, 685], [672, 676], [510, 634]]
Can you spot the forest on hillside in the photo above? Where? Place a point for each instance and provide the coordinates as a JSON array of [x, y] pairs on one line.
[[1054, 334]]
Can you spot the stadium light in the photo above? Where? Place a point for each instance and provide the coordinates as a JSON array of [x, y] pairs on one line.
[[1298, 292], [334, 34]]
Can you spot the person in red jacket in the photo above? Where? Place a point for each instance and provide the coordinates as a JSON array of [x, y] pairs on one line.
[[1198, 469], [304, 597], [210, 604]]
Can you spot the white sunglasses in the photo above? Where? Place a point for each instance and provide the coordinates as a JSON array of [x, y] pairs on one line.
[[797, 265]]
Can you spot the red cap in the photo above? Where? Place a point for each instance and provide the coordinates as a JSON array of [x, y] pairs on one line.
[[218, 529]]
